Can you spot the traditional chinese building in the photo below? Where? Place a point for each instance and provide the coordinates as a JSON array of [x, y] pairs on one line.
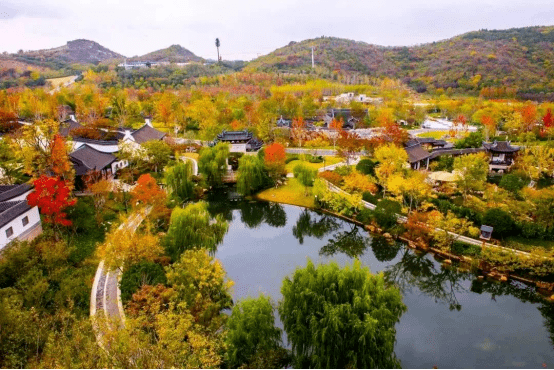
[[239, 141], [502, 155]]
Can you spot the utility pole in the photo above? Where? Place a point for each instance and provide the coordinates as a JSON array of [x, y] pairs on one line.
[[313, 64]]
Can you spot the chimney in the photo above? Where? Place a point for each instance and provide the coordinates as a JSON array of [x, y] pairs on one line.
[[72, 117], [148, 121]]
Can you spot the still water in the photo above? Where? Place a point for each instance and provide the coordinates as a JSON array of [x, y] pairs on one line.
[[453, 319]]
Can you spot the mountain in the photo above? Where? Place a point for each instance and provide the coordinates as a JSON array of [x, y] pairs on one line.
[[174, 53], [520, 58], [76, 51]]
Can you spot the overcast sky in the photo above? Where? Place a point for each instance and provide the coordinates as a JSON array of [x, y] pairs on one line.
[[252, 27]]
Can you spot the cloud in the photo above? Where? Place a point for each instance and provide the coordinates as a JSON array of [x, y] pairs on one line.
[[16, 9], [249, 27]]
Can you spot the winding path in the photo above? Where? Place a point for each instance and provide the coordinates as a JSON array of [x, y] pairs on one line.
[[194, 164], [105, 296]]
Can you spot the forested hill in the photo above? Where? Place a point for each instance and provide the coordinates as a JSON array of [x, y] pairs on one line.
[[174, 53], [520, 58], [76, 51]]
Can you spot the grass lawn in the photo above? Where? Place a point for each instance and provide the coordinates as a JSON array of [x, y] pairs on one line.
[[328, 161], [290, 193], [526, 245]]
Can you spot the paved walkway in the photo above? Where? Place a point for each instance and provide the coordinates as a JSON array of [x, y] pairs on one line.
[[105, 297], [194, 164]]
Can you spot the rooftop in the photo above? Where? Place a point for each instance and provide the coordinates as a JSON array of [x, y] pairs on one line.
[[147, 133], [235, 136], [8, 192], [501, 146], [416, 153], [86, 159], [10, 210]]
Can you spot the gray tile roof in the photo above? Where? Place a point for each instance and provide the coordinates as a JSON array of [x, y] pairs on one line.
[[86, 159], [416, 153], [147, 133], [10, 210], [500, 146], [69, 125], [8, 192], [235, 136]]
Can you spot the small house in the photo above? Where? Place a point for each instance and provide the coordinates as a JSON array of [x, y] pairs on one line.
[[18, 220]]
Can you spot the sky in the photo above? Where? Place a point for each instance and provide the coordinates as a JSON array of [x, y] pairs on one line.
[[251, 28]]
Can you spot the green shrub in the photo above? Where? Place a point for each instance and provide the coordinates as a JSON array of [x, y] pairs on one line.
[[291, 157], [370, 198], [385, 213], [137, 275], [465, 249], [343, 170], [365, 215], [512, 183], [367, 167], [314, 159], [501, 221]]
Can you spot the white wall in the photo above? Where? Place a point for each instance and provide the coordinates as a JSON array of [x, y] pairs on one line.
[[237, 148], [101, 148], [18, 227], [119, 165]]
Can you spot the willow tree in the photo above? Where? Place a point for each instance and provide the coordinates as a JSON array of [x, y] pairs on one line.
[[251, 175], [179, 181], [340, 317], [253, 336], [212, 163], [193, 227]]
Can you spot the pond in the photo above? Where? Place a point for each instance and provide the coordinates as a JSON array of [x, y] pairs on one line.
[[454, 320]]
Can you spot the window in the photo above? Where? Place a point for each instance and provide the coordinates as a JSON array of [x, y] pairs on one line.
[[9, 232], [25, 220]]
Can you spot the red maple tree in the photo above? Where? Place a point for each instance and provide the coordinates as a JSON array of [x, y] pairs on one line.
[[52, 195], [548, 120]]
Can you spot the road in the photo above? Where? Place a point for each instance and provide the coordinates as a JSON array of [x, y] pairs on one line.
[[105, 297]]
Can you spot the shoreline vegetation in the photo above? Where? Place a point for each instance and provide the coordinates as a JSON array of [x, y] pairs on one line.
[[292, 193]]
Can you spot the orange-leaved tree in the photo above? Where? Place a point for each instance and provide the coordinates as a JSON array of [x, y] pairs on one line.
[[335, 126], [147, 193], [274, 159]]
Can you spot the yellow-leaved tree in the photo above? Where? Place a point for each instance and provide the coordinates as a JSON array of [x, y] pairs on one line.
[[125, 247], [392, 159]]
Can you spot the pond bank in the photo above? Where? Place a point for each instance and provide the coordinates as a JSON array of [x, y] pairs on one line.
[[289, 194]]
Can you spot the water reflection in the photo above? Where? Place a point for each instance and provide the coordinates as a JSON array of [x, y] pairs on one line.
[[383, 250], [442, 284], [252, 214], [350, 242], [317, 225], [261, 266]]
